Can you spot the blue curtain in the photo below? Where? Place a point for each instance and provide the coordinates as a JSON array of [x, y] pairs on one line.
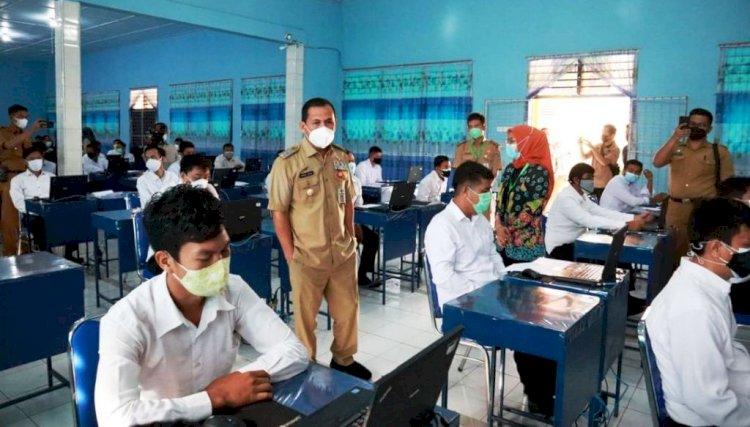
[[733, 105], [202, 113], [101, 113], [263, 111], [412, 112]]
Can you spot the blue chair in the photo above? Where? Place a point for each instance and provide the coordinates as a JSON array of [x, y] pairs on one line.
[[659, 415], [141, 245], [83, 353]]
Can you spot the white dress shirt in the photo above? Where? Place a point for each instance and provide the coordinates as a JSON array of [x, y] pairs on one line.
[[49, 167], [149, 184], [91, 166], [154, 364], [221, 162], [358, 200], [369, 174], [572, 213], [705, 373], [461, 252], [127, 156], [26, 185], [174, 168], [623, 197], [431, 187]]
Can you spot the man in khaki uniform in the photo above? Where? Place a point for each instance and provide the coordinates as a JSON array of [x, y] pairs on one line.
[[604, 156], [14, 138], [478, 148], [692, 172], [311, 198]]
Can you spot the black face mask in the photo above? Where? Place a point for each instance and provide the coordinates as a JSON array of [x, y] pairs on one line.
[[740, 264], [696, 134], [92, 156], [446, 174], [377, 161]]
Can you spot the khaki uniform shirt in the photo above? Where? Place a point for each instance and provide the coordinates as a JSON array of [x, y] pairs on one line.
[[314, 192], [602, 173], [12, 158], [692, 172], [489, 158]]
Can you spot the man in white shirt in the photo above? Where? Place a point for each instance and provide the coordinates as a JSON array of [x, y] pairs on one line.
[[227, 160], [167, 349], [30, 184], [195, 171], [573, 212], [624, 193], [155, 179], [118, 149], [459, 240], [368, 171], [94, 161], [434, 184], [365, 235], [187, 148], [705, 373]]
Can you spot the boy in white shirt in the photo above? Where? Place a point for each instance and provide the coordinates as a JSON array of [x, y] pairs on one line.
[[435, 183], [94, 161], [30, 184], [156, 179], [705, 373], [624, 193], [187, 148], [369, 171], [194, 171], [166, 350], [227, 160]]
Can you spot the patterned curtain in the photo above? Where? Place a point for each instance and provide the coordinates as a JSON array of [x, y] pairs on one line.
[[202, 113], [412, 112], [733, 104], [263, 111], [101, 113]]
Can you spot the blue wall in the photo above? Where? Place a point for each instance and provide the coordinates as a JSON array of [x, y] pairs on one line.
[[26, 83]]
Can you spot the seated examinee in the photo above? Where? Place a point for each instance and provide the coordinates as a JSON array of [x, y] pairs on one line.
[[705, 373], [194, 170], [155, 179], [434, 184], [227, 160], [369, 171], [365, 236], [626, 192], [186, 148], [166, 350], [573, 212], [459, 240], [119, 150], [94, 161], [738, 188]]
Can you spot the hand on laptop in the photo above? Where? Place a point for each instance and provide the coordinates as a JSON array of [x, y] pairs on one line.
[[639, 221], [239, 389]]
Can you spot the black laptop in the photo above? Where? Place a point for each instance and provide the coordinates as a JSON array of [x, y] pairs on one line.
[[242, 218], [415, 174], [401, 198], [252, 165], [117, 164], [224, 178], [68, 187], [661, 222]]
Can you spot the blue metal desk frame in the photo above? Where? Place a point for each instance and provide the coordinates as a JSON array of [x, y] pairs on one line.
[[120, 225], [251, 260], [504, 315]]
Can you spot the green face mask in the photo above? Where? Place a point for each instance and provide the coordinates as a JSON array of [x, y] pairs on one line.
[[483, 203], [206, 282], [475, 133]]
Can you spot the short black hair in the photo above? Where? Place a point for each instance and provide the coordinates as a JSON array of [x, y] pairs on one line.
[[158, 125], [96, 145], [180, 215], [476, 116], [634, 162], [374, 150], [734, 187], [702, 112], [439, 159], [35, 148], [191, 162], [227, 145], [119, 141], [185, 145], [716, 219], [161, 151], [316, 102], [580, 170], [470, 173], [13, 109]]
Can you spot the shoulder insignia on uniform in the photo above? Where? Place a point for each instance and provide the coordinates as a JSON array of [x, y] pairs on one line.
[[289, 151]]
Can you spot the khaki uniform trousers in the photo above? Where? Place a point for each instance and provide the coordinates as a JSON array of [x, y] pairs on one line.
[[339, 286], [678, 222], [9, 222]]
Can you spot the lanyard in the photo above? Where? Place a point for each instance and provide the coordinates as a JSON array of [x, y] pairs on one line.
[[477, 153]]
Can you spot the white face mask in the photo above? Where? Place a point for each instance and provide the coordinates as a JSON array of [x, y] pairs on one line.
[[200, 183], [153, 165], [229, 155], [35, 165], [21, 123], [321, 137]]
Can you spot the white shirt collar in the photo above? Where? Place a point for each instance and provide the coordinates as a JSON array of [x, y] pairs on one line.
[[457, 213], [704, 278]]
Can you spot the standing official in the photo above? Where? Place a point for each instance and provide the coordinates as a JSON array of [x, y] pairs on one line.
[[311, 199], [478, 148]]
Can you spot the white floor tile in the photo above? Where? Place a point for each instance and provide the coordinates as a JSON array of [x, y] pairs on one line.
[[61, 416]]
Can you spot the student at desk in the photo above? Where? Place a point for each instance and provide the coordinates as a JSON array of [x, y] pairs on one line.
[[434, 184], [705, 373], [365, 236], [227, 160], [194, 171], [738, 188], [186, 148], [118, 149], [94, 161], [573, 212], [624, 193], [155, 179], [166, 350], [369, 171]]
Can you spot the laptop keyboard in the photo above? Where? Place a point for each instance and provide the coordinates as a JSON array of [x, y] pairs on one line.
[[583, 271], [361, 419]]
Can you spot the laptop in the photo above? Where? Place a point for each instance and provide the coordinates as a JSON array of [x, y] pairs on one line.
[[224, 178], [401, 198], [415, 174], [68, 187], [413, 388], [252, 165], [242, 218], [117, 164], [661, 221]]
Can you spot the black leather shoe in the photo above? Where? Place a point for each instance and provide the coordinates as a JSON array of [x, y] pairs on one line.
[[362, 280], [355, 370]]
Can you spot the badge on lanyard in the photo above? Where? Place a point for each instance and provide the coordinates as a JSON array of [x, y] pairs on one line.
[[341, 195]]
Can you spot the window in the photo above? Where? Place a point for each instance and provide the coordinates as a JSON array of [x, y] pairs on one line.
[[101, 113], [733, 103], [201, 112], [143, 109]]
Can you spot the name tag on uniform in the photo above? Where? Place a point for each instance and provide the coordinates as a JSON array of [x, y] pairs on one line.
[[341, 195], [305, 174]]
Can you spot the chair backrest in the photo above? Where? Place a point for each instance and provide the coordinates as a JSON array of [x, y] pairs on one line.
[[141, 243], [432, 297], [83, 353], [652, 376]]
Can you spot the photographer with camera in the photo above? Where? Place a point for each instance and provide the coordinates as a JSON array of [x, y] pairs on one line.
[[696, 167]]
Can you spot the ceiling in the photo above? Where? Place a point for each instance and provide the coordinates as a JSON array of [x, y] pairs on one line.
[[28, 25]]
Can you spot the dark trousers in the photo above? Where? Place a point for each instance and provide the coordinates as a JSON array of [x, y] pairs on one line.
[[564, 252], [538, 376], [740, 295], [598, 193], [39, 233], [370, 245]]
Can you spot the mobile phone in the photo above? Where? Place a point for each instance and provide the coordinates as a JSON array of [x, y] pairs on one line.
[[50, 124], [684, 120]]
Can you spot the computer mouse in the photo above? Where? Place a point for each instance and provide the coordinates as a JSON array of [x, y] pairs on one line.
[[531, 274], [223, 421]]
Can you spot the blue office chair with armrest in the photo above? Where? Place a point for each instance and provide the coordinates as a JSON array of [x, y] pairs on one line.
[[83, 353], [141, 244], [653, 377]]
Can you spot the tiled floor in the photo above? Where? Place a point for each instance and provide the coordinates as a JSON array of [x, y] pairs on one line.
[[389, 335]]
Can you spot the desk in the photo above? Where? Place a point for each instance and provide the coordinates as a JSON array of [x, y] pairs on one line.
[[118, 201], [41, 296], [262, 198], [398, 232], [251, 260], [118, 224], [648, 248], [545, 322], [65, 221]]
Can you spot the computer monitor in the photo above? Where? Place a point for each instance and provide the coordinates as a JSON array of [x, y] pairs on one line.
[[224, 178], [415, 174], [242, 217], [402, 196], [117, 164], [68, 187], [252, 165]]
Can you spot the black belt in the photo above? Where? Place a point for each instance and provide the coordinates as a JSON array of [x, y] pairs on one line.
[[682, 200]]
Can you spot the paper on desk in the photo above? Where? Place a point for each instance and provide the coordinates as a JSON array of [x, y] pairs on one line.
[[240, 184], [543, 266], [102, 194], [370, 205]]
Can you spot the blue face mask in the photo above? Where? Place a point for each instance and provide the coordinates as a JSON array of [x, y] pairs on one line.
[[631, 178], [510, 152]]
